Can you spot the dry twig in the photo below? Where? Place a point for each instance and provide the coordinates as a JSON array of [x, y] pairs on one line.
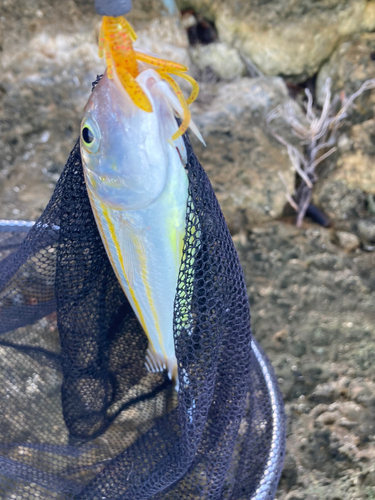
[[318, 139]]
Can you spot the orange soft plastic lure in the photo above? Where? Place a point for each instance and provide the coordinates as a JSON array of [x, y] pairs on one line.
[[116, 45]]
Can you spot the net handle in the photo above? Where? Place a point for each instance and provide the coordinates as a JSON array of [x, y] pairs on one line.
[[16, 225]]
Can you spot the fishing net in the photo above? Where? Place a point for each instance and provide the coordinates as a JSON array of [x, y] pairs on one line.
[[81, 417]]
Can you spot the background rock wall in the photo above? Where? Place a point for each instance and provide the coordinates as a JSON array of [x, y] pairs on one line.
[[312, 291]]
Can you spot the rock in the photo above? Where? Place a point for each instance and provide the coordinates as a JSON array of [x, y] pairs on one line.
[[341, 192], [327, 418], [356, 171], [283, 37], [295, 496], [347, 424], [143, 11], [221, 58], [47, 83], [324, 393], [240, 239], [289, 475], [347, 241], [241, 158], [350, 411], [367, 477], [338, 201], [324, 261], [349, 67], [366, 229], [368, 22], [165, 37], [280, 336]]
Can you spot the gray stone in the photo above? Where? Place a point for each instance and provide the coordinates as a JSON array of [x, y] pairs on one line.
[[368, 22], [165, 37], [366, 229], [242, 158], [347, 241], [221, 58]]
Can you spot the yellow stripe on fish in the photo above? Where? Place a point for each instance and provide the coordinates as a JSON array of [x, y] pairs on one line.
[[146, 284], [111, 227]]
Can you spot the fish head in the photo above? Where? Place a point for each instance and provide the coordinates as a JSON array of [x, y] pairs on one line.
[[126, 151]]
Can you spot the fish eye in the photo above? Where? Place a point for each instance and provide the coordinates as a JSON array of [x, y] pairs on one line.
[[90, 136], [87, 135]]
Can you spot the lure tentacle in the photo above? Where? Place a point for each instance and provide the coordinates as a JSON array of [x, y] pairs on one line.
[[128, 27], [195, 87], [134, 90], [160, 63], [186, 118]]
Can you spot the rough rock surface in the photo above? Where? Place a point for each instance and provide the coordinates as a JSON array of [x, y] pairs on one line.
[[283, 37], [351, 64], [241, 158], [368, 23], [166, 37], [347, 241], [48, 62], [366, 229], [345, 184], [221, 58], [313, 310]]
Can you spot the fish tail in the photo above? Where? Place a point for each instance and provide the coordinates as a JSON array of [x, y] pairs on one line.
[[156, 363]]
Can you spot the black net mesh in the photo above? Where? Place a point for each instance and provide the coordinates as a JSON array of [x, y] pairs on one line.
[[80, 415]]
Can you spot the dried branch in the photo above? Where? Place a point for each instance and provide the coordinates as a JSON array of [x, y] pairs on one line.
[[309, 106], [297, 159], [322, 158], [318, 139]]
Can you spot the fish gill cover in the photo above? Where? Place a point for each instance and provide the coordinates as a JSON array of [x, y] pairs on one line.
[[81, 416]]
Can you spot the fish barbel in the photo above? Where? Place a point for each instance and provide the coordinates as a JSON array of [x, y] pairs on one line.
[[138, 189]]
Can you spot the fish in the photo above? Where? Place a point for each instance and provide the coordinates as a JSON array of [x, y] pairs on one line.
[[138, 189]]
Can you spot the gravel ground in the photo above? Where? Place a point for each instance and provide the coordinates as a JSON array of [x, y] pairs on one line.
[[313, 311]]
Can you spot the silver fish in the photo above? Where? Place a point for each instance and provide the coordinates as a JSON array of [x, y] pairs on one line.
[[138, 189]]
